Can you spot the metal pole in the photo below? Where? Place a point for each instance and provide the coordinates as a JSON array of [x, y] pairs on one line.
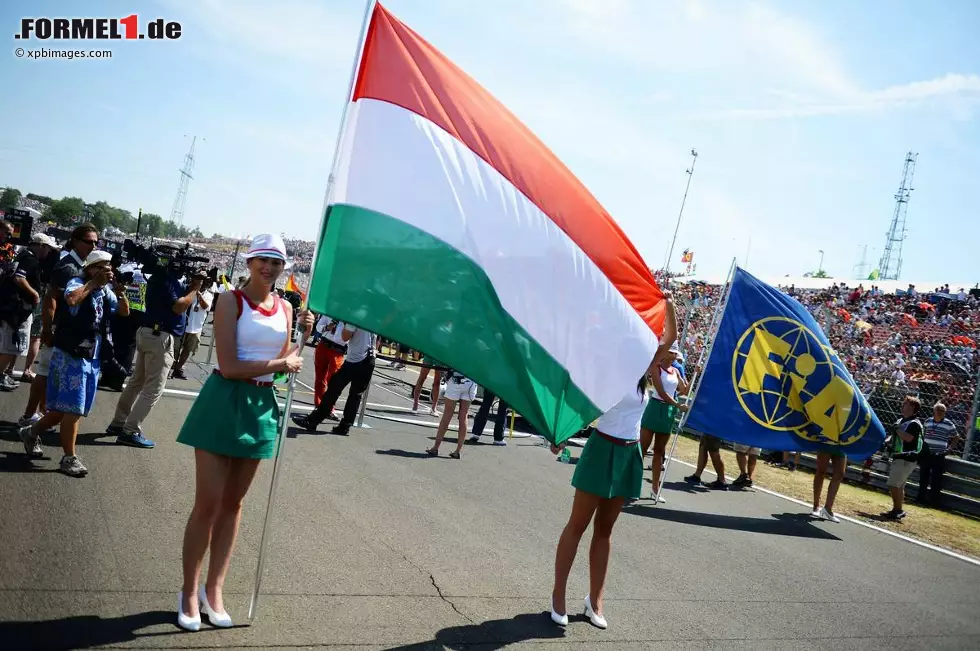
[[360, 412], [263, 546], [696, 382], [234, 260], [820, 268], [971, 425], [690, 175], [211, 345]]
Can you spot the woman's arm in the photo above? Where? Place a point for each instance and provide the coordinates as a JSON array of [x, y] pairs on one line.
[[289, 327], [659, 386], [683, 387], [226, 342]]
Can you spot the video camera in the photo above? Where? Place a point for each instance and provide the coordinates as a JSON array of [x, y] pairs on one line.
[[167, 260]]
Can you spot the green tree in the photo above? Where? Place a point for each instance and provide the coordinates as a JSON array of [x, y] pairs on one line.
[[40, 197], [9, 199], [820, 273], [152, 225], [65, 211]]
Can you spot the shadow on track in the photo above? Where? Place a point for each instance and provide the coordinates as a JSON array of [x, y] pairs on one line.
[[85, 631], [492, 635], [405, 454], [797, 525]]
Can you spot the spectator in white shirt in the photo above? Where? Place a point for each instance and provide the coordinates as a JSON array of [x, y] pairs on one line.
[[191, 341]]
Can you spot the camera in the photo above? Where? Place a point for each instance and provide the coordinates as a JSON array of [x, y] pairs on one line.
[[166, 260]]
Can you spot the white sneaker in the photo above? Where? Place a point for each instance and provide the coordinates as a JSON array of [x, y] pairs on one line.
[[659, 499], [435, 413], [817, 514], [27, 421], [31, 441], [827, 515], [72, 465]]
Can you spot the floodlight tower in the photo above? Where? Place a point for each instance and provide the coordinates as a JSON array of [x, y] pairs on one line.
[[890, 266], [177, 212]]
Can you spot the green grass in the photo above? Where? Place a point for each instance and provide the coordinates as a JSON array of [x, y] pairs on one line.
[[953, 531]]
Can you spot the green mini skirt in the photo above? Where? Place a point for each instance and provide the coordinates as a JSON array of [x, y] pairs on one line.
[[658, 417], [233, 419], [609, 470]]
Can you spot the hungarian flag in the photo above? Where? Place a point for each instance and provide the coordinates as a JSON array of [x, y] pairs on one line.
[[293, 286], [452, 229]]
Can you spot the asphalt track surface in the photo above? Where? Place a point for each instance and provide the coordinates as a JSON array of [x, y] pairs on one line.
[[377, 546]]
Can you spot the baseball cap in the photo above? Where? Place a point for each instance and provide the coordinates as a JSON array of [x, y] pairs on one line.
[[45, 239], [96, 257], [267, 246]]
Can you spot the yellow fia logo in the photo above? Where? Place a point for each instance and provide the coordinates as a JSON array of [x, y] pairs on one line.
[[787, 380]]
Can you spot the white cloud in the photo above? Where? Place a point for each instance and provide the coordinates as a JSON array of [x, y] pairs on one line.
[[957, 92], [751, 42]]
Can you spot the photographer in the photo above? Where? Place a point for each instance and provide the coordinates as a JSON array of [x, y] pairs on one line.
[[167, 301], [89, 299], [20, 295], [196, 316], [124, 328], [82, 242]]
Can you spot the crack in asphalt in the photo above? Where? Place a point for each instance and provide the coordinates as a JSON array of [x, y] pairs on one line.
[[435, 585]]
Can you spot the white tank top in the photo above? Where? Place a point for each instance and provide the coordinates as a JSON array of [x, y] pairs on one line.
[[260, 333], [622, 420], [670, 379]]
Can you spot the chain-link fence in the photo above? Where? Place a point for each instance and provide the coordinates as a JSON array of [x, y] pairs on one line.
[[892, 360], [695, 305]]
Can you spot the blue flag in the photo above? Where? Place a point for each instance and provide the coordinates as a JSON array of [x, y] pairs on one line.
[[773, 381]]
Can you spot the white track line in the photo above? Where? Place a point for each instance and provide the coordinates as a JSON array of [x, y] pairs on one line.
[[862, 523]]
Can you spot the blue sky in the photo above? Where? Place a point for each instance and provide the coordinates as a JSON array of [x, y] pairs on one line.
[[801, 113]]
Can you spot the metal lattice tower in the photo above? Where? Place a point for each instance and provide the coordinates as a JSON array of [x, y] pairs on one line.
[[177, 213], [890, 266]]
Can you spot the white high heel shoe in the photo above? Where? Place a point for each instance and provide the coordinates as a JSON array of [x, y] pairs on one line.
[[597, 620], [221, 620], [561, 620], [192, 624]]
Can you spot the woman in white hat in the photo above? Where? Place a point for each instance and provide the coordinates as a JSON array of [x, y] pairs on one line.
[[233, 424], [73, 377], [660, 412]]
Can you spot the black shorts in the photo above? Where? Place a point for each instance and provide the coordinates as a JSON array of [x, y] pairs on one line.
[[402, 348], [711, 443]]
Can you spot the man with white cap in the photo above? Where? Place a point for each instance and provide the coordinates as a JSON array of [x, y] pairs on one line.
[[20, 294], [167, 302]]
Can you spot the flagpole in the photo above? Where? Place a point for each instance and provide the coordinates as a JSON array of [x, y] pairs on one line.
[[284, 424], [677, 228], [703, 359]]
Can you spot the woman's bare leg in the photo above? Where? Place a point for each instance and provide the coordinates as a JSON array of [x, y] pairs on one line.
[[583, 507], [447, 416], [464, 410], [211, 475], [839, 465], [602, 528], [417, 391], [818, 476], [659, 452], [241, 472]]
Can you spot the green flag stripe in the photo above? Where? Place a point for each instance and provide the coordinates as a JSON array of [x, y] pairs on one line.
[[393, 279]]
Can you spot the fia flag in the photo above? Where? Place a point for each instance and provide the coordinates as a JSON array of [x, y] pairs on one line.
[[773, 380], [453, 229]]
